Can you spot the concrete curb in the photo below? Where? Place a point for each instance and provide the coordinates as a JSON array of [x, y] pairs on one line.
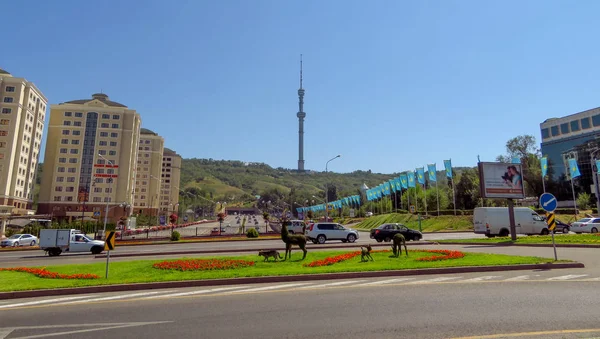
[[523, 245], [279, 279]]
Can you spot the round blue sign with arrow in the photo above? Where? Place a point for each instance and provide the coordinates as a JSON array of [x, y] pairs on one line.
[[548, 202]]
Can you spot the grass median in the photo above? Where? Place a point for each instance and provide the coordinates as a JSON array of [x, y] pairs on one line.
[[142, 271], [581, 239]]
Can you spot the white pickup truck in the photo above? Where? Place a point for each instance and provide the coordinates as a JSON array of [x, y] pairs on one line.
[[54, 242]]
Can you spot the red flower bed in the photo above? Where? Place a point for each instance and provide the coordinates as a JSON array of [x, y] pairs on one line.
[[202, 264], [447, 254], [43, 273]]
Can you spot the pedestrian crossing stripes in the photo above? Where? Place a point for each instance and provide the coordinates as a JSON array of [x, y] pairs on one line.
[[287, 287]]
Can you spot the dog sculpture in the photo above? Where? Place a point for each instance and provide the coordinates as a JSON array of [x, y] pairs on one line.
[[270, 253], [399, 240], [365, 253]]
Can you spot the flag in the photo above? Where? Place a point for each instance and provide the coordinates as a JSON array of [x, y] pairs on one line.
[[516, 160], [448, 166], [432, 172], [573, 168], [398, 183], [386, 188], [421, 175], [411, 179], [404, 180], [544, 164], [598, 166], [392, 185]]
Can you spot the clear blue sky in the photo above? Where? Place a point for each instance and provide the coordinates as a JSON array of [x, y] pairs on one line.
[[390, 85]]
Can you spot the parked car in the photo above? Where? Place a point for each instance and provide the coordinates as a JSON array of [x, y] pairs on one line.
[[586, 225], [320, 232], [17, 240], [561, 226], [386, 232], [296, 227]]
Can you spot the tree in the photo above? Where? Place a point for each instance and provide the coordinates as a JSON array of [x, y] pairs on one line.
[[467, 189], [525, 148]]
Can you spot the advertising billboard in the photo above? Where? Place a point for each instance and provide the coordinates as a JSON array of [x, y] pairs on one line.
[[500, 180]]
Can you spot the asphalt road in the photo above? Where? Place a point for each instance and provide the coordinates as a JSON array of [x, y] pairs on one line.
[[369, 309]]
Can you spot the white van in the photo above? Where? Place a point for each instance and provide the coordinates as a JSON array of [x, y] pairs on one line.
[[493, 221], [296, 227]]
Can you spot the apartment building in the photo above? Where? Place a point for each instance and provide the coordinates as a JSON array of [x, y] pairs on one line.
[[90, 159], [148, 177], [22, 116], [169, 190]]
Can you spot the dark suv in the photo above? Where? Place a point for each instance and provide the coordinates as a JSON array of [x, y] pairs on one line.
[[386, 232]]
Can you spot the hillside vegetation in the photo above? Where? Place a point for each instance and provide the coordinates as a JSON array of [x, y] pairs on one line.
[[443, 223]]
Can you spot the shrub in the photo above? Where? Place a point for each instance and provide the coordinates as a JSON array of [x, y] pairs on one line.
[[583, 201], [175, 236], [252, 233]]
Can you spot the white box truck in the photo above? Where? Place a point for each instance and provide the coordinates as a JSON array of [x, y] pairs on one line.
[[494, 221], [54, 242]]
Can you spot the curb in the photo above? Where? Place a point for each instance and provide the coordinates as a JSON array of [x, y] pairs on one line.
[[278, 279], [522, 245]]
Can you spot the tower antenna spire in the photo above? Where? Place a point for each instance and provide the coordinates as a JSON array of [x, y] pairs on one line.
[[301, 115], [300, 70]]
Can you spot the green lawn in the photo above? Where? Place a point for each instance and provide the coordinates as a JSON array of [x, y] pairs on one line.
[[534, 239], [429, 224], [142, 270]]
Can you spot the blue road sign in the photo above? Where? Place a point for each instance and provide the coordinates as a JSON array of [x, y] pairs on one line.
[[96, 213], [548, 202]]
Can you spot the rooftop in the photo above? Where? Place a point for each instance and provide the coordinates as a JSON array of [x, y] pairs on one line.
[[168, 151], [147, 131], [4, 72], [97, 96]]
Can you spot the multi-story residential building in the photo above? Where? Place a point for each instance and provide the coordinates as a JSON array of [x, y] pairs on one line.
[[90, 159], [169, 190], [22, 116], [573, 136], [148, 176]]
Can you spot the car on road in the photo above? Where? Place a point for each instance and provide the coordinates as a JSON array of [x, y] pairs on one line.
[[386, 232], [561, 226], [321, 232], [586, 225], [17, 240]]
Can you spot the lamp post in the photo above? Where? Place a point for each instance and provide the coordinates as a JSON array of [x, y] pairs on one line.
[[107, 200], [327, 189], [595, 171]]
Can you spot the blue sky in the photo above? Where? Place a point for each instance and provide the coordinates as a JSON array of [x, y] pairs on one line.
[[390, 85]]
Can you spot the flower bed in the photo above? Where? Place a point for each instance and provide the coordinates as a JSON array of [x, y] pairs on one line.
[[202, 264], [447, 254], [43, 273]]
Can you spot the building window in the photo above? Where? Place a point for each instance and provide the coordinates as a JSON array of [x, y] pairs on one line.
[[10, 88], [115, 125], [564, 128], [8, 99], [72, 160], [102, 143], [70, 189], [72, 169], [115, 117], [7, 110], [61, 169], [3, 133], [104, 134], [105, 116], [62, 160], [4, 122], [106, 199], [66, 132], [77, 123], [585, 123], [76, 132], [99, 180], [554, 131], [104, 125], [147, 141], [2, 144], [78, 115], [58, 189], [575, 125], [596, 120], [63, 150], [74, 151], [113, 143], [57, 198], [66, 123], [71, 179], [60, 179], [102, 152], [114, 135], [74, 142], [108, 190], [112, 152], [68, 114], [69, 198], [99, 170]]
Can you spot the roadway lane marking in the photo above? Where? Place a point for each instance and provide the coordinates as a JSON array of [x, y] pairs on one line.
[[46, 301], [193, 292], [567, 277], [3, 331], [123, 296], [591, 279], [389, 281], [258, 289], [485, 277], [333, 284], [433, 280], [525, 334], [520, 278]]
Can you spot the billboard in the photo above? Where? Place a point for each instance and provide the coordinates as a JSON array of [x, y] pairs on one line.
[[499, 180]]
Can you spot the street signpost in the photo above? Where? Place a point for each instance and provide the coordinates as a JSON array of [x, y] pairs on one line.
[[109, 244], [549, 204]]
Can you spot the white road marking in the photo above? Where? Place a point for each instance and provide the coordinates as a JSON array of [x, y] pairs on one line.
[[592, 279], [46, 301], [520, 278], [194, 292], [333, 284], [267, 288], [381, 282], [485, 277], [96, 328], [433, 280], [122, 296], [567, 277]]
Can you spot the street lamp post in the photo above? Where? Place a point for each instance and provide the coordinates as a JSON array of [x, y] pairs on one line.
[[107, 200], [327, 189], [595, 171]]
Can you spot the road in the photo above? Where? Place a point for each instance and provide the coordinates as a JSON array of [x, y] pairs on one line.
[[38, 257], [422, 307]]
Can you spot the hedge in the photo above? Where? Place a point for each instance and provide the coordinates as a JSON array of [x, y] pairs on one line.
[[541, 211]]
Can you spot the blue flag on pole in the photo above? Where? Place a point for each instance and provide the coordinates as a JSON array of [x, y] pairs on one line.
[[544, 165], [398, 184], [411, 179], [392, 185], [386, 188], [421, 175], [573, 168], [448, 166], [404, 180], [516, 160], [432, 169]]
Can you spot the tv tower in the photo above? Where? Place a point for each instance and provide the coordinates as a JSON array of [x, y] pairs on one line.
[[301, 115]]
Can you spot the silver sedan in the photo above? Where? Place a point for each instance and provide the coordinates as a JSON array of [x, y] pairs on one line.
[[17, 240]]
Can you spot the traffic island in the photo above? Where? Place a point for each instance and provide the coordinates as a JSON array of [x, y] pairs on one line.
[[561, 240], [229, 270]]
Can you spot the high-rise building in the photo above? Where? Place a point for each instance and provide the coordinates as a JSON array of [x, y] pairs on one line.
[[148, 176], [301, 115], [90, 159], [169, 191], [22, 116]]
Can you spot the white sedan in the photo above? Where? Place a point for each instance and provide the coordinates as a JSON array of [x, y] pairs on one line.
[[17, 240], [586, 225]]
